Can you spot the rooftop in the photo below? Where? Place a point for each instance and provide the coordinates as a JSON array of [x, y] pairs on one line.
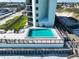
[[68, 1]]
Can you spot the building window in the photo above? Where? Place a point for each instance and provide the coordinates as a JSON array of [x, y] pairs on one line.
[[30, 1], [36, 1], [36, 8], [30, 7], [36, 15], [30, 19], [29, 14], [37, 20]]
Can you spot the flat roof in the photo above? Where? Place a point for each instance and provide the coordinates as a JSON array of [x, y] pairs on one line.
[[68, 21], [68, 1]]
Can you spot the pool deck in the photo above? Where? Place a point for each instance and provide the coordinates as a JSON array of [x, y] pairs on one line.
[[21, 40], [12, 36], [21, 36]]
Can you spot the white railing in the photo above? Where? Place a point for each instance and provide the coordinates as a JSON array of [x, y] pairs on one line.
[[24, 41]]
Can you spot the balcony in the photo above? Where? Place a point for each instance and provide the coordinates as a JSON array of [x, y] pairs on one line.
[[28, 2], [29, 14], [30, 19], [29, 8]]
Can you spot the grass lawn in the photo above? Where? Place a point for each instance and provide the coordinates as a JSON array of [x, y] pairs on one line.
[[8, 23], [20, 24], [16, 23]]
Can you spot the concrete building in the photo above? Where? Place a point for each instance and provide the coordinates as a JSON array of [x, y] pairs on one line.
[[41, 12]]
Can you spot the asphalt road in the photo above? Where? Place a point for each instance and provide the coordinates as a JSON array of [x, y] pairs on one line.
[[10, 17]]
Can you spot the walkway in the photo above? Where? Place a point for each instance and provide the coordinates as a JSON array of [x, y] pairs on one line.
[[31, 57]]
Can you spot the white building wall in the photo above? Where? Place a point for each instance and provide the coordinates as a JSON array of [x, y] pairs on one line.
[[43, 8], [34, 12], [46, 8], [52, 10]]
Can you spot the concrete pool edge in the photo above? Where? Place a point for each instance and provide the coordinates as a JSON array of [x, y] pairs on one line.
[[57, 35]]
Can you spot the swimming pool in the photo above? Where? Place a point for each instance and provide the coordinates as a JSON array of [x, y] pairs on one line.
[[41, 33]]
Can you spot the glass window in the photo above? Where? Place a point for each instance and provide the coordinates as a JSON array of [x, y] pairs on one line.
[[36, 8], [37, 15], [36, 1], [37, 20]]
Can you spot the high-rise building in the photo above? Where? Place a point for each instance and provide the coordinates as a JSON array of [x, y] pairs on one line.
[[41, 12]]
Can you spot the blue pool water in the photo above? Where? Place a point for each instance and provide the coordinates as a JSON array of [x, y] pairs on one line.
[[41, 33]]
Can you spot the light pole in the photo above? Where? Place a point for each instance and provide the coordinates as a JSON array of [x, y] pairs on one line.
[[10, 2]]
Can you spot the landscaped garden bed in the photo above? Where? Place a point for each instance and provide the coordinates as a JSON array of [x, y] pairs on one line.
[[15, 24]]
